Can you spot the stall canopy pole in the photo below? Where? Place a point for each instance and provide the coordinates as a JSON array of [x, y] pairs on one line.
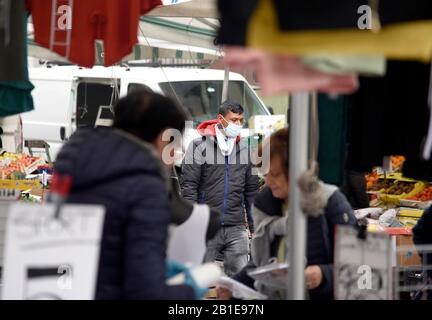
[[298, 155], [225, 85]]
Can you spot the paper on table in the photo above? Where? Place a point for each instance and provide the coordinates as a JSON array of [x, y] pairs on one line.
[[239, 290], [187, 243], [364, 213], [273, 275]]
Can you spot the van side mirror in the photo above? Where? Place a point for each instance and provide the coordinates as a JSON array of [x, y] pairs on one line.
[[62, 133], [271, 110]]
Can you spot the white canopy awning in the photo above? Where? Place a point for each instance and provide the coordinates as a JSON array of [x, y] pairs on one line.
[[192, 8]]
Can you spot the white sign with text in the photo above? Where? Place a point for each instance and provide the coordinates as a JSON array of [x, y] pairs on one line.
[[52, 259]]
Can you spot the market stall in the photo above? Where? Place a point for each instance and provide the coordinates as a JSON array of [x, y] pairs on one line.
[[23, 177], [396, 204]]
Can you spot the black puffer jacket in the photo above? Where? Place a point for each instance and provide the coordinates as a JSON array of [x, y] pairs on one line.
[[423, 236], [225, 183], [111, 168]]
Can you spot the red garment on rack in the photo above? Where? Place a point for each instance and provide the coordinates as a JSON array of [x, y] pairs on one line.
[[113, 21]]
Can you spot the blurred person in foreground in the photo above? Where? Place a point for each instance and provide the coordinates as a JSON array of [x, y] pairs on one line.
[[121, 168]]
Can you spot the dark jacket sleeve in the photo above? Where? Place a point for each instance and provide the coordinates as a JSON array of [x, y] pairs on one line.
[[243, 277], [422, 232], [191, 173], [337, 212], [422, 235], [145, 247], [251, 189]]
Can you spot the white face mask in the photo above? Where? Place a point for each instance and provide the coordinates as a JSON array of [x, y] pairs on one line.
[[232, 130]]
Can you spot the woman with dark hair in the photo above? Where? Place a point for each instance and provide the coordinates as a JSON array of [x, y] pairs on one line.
[[270, 216], [120, 167]]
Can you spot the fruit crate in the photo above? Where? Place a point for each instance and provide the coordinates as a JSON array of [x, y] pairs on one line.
[[421, 200], [396, 198], [11, 163], [415, 203], [381, 185]]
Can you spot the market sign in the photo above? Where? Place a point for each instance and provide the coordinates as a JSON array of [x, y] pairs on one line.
[[49, 258]]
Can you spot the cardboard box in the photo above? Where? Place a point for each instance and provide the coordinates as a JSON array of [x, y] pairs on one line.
[[409, 258]]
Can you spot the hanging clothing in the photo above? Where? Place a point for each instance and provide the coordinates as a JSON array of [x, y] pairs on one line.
[[13, 40], [15, 88], [300, 27], [332, 115], [15, 97], [338, 14], [113, 21], [283, 73], [346, 64]]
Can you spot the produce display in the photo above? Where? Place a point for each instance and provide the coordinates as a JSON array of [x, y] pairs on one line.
[[400, 187], [382, 184], [397, 162], [394, 188], [424, 195], [13, 165], [371, 179]]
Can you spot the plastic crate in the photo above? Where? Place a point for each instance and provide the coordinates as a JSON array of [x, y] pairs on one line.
[[392, 198], [380, 191]]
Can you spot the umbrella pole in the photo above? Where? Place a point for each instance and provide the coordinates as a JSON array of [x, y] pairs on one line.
[[297, 223]]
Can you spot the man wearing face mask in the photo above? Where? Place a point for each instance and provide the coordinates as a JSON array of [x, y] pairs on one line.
[[217, 171]]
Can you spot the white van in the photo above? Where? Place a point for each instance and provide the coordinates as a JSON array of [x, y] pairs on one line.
[[67, 98]]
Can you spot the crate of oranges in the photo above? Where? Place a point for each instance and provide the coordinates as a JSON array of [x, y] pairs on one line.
[[420, 200]]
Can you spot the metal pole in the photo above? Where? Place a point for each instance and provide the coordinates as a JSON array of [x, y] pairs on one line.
[[225, 85], [298, 155]]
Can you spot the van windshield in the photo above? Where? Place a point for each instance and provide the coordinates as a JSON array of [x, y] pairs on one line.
[[202, 98]]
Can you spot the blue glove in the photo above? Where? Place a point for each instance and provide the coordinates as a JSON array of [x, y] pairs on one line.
[[173, 268], [199, 291]]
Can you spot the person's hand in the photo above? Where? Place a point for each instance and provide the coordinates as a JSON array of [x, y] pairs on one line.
[[313, 277], [223, 293]]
